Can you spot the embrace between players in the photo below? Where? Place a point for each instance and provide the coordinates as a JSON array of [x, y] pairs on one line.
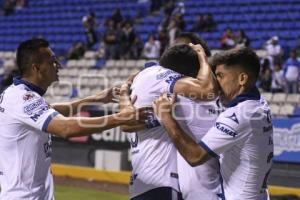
[[206, 138]]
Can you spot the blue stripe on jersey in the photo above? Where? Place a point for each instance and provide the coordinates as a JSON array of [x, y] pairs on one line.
[[222, 195], [48, 120], [253, 94], [211, 152], [32, 87], [150, 64], [172, 84]]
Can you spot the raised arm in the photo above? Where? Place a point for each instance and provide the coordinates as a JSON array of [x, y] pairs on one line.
[[71, 108], [193, 153], [205, 86]]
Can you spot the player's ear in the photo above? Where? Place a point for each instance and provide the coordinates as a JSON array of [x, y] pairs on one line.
[[35, 67], [243, 79]]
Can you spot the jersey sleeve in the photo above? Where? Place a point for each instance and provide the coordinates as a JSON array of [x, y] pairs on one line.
[[33, 112], [167, 80], [230, 129]]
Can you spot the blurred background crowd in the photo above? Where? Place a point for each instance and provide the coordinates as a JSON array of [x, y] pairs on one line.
[[142, 29]]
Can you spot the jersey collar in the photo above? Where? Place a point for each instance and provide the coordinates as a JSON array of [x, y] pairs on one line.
[[150, 64], [30, 86], [253, 94]]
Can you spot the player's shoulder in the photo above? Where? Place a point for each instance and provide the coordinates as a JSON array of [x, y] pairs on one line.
[[155, 70], [155, 73], [19, 96], [231, 119]]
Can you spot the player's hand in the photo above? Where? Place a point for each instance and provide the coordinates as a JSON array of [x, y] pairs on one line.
[[124, 89], [200, 51], [110, 95], [163, 106], [134, 116]]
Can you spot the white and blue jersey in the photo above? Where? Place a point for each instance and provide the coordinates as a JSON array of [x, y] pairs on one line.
[[242, 138], [25, 147], [154, 161], [196, 118]]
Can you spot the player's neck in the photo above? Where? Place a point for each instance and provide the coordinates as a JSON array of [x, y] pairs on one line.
[[240, 91], [34, 81]]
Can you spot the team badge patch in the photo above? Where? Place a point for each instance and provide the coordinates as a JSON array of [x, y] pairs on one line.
[[28, 96]]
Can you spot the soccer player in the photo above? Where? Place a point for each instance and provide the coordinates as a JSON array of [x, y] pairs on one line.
[[154, 174], [196, 118], [242, 137], [26, 121]]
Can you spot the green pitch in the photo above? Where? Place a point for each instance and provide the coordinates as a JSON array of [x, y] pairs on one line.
[[72, 193]]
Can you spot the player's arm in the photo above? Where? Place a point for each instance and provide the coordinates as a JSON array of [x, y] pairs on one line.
[[78, 126], [71, 108], [205, 86], [193, 153], [133, 128]]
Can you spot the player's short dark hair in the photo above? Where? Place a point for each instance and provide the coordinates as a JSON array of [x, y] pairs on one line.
[[243, 58], [28, 53], [182, 59], [194, 38]]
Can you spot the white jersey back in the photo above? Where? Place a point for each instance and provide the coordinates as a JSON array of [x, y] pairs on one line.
[[153, 154], [25, 147], [196, 118], [243, 138]]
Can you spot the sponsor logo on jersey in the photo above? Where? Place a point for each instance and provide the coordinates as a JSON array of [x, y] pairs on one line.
[[132, 178], [1, 97], [214, 111], [226, 129], [29, 109], [174, 175], [151, 121], [164, 74], [39, 113], [48, 147], [233, 118], [171, 79], [134, 140], [268, 128], [269, 116]]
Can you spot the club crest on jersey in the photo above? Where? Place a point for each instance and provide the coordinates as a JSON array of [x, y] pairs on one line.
[[28, 96], [226, 129]]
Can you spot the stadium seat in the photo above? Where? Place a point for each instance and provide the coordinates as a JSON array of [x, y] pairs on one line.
[[267, 96], [275, 109], [110, 63], [130, 63], [120, 63], [279, 98], [140, 63], [286, 110], [293, 98]]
